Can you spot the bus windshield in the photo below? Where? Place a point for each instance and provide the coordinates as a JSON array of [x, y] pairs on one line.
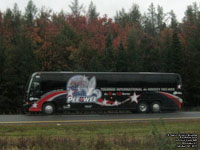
[[34, 87]]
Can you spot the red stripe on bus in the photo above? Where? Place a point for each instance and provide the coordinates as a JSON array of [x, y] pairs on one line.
[[172, 98], [44, 99]]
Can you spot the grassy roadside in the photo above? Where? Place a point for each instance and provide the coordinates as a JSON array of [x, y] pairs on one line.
[[123, 135]]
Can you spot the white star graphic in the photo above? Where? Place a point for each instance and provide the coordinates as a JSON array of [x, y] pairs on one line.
[[116, 103], [104, 102], [134, 98]]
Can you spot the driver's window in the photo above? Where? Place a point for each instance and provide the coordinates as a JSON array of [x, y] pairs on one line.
[[35, 89]]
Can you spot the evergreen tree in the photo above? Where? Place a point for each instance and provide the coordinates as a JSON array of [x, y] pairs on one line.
[[149, 55], [122, 18], [2, 47], [150, 20], [76, 8], [107, 55], [173, 22], [16, 14], [59, 19], [132, 52], [19, 62], [192, 13], [160, 19], [154, 21], [7, 23], [121, 59], [85, 58], [2, 63], [30, 12], [166, 51], [135, 15], [191, 31], [8, 17], [92, 13], [45, 13], [176, 56]]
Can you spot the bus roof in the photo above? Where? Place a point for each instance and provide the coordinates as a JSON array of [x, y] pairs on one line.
[[70, 72]]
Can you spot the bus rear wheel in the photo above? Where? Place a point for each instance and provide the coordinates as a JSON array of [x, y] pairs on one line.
[[48, 109], [143, 107], [155, 107]]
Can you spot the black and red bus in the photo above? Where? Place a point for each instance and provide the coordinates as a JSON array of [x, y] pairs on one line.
[[49, 92]]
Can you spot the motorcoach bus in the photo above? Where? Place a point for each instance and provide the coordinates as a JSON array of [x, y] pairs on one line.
[[49, 92]]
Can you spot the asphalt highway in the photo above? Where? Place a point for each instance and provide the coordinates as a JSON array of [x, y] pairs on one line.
[[28, 119]]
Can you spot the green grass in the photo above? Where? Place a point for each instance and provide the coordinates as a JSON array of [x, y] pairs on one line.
[[115, 135]]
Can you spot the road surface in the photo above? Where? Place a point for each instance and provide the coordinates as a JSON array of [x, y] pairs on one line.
[[11, 119]]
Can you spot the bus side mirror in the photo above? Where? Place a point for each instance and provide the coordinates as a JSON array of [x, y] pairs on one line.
[[179, 86]]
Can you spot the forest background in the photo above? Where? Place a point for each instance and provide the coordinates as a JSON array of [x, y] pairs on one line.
[[41, 40]]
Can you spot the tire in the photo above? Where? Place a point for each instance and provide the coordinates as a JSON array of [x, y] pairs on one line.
[[155, 107], [143, 107], [48, 109]]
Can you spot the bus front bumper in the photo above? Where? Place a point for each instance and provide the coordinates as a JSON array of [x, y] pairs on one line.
[[26, 107]]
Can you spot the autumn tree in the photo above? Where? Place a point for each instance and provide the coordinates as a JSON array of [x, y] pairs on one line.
[[58, 50]]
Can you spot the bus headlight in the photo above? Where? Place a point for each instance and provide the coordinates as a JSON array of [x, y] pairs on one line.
[[33, 99]]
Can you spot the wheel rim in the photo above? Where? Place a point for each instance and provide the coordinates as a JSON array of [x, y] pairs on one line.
[[143, 107], [156, 107], [48, 109]]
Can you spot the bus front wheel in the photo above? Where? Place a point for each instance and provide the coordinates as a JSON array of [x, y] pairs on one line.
[[48, 109], [143, 107]]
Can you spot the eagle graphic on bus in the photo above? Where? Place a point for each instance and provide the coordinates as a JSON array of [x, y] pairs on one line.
[[82, 90]]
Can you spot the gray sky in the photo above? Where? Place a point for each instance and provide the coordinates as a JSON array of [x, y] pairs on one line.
[[108, 7]]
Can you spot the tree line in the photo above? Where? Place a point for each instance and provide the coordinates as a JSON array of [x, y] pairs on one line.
[[42, 40]]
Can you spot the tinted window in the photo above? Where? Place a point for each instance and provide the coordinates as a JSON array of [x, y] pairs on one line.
[[59, 80], [52, 82], [50, 85]]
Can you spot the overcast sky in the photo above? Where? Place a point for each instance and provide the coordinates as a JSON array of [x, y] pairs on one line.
[[108, 7]]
